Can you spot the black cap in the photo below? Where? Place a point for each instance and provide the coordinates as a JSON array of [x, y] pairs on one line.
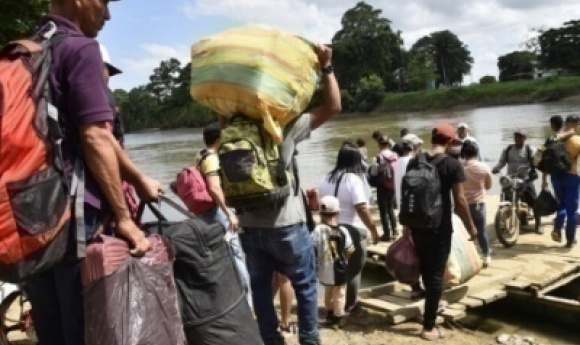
[[212, 128], [572, 118]]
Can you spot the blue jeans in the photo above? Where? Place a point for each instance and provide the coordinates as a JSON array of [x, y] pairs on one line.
[[217, 215], [566, 190], [56, 296], [290, 251], [478, 214]]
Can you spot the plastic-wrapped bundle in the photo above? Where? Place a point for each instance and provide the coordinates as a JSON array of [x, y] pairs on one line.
[[129, 300], [464, 261], [262, 73], [402, 262]]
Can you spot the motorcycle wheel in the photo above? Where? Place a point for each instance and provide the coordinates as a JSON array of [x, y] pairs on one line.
[[506, 234]]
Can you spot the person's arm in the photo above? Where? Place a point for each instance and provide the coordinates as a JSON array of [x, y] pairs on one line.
[[365, 215], [332, 103], [463, 209], [544, 180], [99, 148], [215, 190], [147, 188], [502, 162], [488, 179]]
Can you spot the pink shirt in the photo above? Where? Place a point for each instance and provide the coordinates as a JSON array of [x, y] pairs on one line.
[[476, 173]]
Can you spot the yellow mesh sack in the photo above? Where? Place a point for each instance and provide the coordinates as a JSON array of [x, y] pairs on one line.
[[263, 73]]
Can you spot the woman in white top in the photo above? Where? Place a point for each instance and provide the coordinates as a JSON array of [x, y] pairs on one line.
[[348, 183]]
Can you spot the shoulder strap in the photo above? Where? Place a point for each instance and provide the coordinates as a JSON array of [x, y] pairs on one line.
[[529, 153], [338, 184], [204, 154], [507, 152], [440, 157]]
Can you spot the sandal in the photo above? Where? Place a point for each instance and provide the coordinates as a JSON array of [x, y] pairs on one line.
[[435, 334], [556, 236]]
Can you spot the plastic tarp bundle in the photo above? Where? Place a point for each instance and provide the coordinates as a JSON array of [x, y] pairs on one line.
[[464, 261], [262, 73], [402, 262], [129, 300]]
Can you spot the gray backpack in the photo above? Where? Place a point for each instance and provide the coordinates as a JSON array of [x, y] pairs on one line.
[[421, 206]]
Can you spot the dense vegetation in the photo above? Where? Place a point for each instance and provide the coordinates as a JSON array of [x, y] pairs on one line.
[[484, 94]]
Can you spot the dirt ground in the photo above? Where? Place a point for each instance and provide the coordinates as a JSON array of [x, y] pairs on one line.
[[373, 329]]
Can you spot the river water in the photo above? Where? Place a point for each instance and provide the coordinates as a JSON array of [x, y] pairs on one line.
[[162, 154]]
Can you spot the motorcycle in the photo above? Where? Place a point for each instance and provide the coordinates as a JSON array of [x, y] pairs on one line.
[[515, 207]]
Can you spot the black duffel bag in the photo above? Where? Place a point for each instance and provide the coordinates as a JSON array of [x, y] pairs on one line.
[[546, 204], [211, 297]]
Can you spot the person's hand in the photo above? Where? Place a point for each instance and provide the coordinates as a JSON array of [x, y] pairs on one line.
[[473, 233], [139, 243], [374, 236], [495, 171], [324, 55], [233, 220], [148, 189]]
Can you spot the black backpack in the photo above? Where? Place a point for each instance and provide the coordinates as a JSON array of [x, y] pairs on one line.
[[421, 205], [338, 244], [555, 158]]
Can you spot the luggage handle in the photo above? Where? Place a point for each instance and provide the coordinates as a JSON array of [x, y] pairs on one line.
[[157, 212]]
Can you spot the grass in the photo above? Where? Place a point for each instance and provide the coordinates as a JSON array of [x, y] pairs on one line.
[[518, 92]]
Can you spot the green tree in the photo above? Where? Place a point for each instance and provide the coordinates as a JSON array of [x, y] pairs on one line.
[[516, 65], [420, 71], [165, 80], [560, 47], [370, 93], [181, 94], [366, 45], [19, 19], [451, 56], [139, 108], [487, 79]]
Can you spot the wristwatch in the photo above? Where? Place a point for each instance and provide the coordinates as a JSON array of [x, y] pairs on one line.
[[328, 69]]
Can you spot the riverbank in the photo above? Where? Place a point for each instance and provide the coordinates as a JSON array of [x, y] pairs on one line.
[[549, 89]]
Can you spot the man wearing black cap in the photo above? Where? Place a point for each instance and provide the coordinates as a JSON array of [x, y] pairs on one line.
[[566, 185]]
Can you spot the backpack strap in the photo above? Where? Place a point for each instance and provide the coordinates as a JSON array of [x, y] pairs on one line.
[[507, 153], [440, 157], [338, 184], [204, 154]]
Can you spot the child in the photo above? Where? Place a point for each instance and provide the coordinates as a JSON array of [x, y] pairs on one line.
[[333, 247]]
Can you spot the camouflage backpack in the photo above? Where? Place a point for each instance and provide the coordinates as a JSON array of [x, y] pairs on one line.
[[253, 172]]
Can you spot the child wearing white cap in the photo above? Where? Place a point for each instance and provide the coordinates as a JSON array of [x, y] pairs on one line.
[[333, 248]]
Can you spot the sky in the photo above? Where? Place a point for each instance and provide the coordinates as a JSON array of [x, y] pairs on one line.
[[142, 33]]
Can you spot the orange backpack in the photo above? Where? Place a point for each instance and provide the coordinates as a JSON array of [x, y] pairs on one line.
[[35, 199]]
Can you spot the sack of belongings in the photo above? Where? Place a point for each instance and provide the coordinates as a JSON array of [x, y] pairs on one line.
[[130, 300], [263, 73], [464, 260]]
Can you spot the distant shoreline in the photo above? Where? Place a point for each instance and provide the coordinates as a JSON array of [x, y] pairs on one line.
[[551, 89]]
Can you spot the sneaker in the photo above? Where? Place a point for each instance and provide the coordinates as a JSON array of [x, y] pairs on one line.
[[329, 314], [557, 235], [335, 322], [385, 238], [357, 310], [486, 261], [570, 244]]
